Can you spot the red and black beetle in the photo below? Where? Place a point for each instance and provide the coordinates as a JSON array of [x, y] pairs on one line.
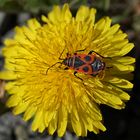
[[90, 64]]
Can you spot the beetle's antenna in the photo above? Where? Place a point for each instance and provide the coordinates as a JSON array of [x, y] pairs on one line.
[[61, 55], [53, 66], [56, 62]]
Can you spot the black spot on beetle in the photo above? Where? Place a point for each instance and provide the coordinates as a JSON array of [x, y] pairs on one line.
[[87, 58], [85, 69], [78, 62]]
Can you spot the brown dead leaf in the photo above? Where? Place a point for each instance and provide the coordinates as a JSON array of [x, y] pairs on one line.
[[2, 90]]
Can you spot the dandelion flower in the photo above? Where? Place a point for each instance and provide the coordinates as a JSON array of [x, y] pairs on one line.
[[55, 98]]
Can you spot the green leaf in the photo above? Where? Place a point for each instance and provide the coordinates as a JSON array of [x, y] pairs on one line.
[[36, 5], [106, 5], [3, 2], [52, 2], [33, 5], [10, 5]]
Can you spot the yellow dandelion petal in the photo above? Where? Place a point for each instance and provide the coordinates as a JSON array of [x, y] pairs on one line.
[[85, 14], [11, 101], [124, 60], [8, 75], [29, 113], [20, 108], [33, 24], [103, 25], [119, 82], [53, 124], [56, 16], [60, 72], [38, 122], [48, 117], [63, 118]]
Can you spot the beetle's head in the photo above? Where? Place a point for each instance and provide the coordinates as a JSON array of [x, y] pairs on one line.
[[65, 61]]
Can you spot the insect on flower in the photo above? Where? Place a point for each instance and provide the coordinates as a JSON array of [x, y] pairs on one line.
[[90, 64], [54, 74]]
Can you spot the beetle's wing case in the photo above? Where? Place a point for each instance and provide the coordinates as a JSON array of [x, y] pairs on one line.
[[87, 58]]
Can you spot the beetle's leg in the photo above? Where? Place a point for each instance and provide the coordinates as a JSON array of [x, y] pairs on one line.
[[109, 67], [96, 53], [68, 55], [66, 68], [75, 53], [80, 50], [94, 75], [60, 65], [77, 76]]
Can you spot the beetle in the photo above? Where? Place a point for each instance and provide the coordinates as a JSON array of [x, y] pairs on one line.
[[90, 64]]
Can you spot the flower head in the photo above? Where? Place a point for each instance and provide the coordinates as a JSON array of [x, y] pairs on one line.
[[43, 88]]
